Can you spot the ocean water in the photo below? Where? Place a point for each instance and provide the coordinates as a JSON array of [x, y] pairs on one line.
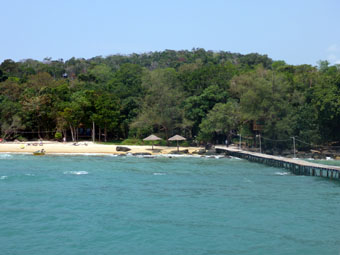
[[127, 205]]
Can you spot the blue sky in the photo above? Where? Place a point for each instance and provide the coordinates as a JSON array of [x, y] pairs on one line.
[[298, 32]]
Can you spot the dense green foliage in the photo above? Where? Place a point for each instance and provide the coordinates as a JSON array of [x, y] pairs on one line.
[[206, 96]]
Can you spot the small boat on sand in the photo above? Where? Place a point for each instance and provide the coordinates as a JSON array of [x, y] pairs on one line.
[[39, 152]]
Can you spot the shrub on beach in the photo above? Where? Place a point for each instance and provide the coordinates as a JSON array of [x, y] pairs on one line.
[[21, 139], [135, 141], [132, 141], [58, 136], [156, 143], [180, 143]]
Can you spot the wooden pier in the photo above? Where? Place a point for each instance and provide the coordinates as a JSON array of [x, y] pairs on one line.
[[296, 166]]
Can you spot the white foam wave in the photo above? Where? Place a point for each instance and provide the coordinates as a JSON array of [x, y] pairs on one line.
[[329, 158], [159, 173], [4, 177], [76, 172], [7, 155], [30, 174], [82, 154], [178, 156], [164, 156], [247, 180], [4, 156], [282, 173], [142, 156], [235, 158]]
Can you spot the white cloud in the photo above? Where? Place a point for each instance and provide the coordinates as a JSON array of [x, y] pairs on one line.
[[333, 54]]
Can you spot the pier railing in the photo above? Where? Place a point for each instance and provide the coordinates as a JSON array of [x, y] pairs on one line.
[[296, 166]]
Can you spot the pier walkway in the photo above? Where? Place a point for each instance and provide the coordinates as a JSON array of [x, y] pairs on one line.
[[296, 166]]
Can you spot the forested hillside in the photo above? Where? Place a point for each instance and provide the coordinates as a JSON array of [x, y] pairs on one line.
[[203, 95]]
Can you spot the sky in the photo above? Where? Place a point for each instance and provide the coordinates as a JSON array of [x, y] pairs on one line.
[[298, 32]]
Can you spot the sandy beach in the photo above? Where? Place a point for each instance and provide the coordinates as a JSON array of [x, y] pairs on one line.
[[85, 147]]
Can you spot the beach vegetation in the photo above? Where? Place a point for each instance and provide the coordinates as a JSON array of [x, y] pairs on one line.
[[132, 141], [203, 95], [58, 136]]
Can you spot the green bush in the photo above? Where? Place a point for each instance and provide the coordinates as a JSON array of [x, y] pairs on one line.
[[22, 139], [135, 141], [132, 141], [161, 143], [58, 136], [156, 143], [184, 144], [180, 143]]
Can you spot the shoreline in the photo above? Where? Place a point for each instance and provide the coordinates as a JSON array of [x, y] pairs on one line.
[[121, 155], [95, 149], [89, 148], [145, 155]]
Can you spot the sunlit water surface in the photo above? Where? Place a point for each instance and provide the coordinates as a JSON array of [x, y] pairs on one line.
[[127, 205]]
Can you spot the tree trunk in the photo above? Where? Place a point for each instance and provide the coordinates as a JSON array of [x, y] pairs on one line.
[[99, 134], [72, 134], [93, 132], [166, 135], [39, 132], [105, 134]]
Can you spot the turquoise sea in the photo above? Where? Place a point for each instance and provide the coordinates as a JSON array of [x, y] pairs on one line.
[[127, 205]]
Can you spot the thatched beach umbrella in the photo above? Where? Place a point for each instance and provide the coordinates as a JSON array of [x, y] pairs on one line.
[[152, 138], [177, 138]]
